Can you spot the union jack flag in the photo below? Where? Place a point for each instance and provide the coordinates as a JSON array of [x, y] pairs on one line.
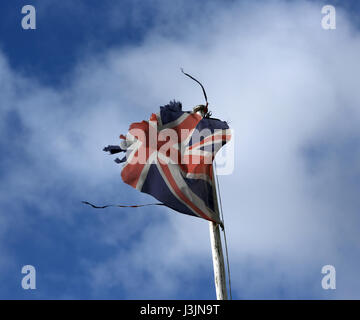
[[170, 157]]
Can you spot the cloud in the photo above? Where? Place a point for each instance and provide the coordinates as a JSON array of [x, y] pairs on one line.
[[288, 89]]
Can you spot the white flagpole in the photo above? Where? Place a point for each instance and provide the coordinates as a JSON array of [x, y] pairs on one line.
[[218, 261], [217, 252], [215, 240]]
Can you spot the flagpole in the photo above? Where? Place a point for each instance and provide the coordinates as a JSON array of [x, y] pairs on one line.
[[215, 239], [218, 261], [217, 252]]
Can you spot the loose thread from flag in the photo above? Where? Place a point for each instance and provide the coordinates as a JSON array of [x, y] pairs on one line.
[[123, 206], [207, 112], [223, 229], [202, 87]]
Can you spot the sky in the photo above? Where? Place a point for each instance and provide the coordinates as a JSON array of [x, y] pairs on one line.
[[288, 89]]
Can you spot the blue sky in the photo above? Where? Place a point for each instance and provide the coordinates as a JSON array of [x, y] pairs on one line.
[[288, 88]]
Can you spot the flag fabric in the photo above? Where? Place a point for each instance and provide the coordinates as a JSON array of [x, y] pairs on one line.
[[170, 157]]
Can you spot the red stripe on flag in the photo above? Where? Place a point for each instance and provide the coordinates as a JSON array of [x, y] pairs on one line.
[[177, 190]]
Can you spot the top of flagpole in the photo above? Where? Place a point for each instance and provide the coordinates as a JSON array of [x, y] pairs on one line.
[[200, 109]]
